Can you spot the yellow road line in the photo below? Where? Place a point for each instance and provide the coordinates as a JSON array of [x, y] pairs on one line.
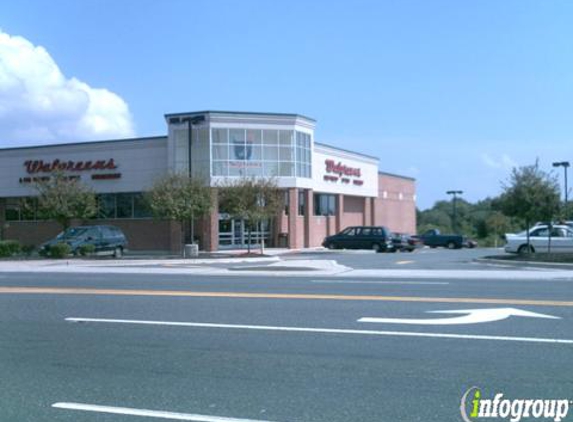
[[245, 295]]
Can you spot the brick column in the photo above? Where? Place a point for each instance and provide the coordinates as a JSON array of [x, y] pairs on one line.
[[292, 216], [367, 213], [339, 212], [308, 216], [211, 226]]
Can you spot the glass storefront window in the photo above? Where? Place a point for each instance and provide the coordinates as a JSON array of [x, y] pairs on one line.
[[286, 169], [220, 152], [324, 204], [270, 153], [237, 168], [220, 168], [12, 214], [237, 136], [282, 152], [271, 169], [141, 207], [255, 152], [220, 136], [285, 137], [301, 202], [106, 205], [124, 205], [255, 169], [270, 137], [285, 154], [254, 136]]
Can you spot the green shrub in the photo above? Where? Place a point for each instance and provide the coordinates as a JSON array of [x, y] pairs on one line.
[[85, 250], [9, 248], [59, 250], [28, 249]]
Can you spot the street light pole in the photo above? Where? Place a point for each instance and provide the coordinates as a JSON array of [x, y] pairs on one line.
[[454, 193], [190, 122], [565, 165]]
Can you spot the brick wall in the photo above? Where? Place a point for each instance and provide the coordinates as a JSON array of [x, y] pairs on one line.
[[353, 212], [395, 206], [142, 234]]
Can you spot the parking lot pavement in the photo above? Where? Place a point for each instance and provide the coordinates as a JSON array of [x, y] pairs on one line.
[[424, 258]]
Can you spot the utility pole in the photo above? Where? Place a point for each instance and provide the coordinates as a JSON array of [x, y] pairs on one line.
[[454, 193]]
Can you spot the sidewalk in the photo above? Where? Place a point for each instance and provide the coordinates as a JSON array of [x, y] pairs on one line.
[[221, 254]]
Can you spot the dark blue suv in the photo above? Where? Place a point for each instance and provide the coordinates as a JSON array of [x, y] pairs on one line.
[[107, 240], [377, 238]]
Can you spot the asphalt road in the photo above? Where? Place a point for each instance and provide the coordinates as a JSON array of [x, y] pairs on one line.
[[268, 354]]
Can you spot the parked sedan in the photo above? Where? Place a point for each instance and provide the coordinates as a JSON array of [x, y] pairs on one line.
[[561, 240], [378, 239], [406, 243]]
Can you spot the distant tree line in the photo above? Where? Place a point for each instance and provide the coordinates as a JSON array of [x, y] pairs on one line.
[[529, 195]]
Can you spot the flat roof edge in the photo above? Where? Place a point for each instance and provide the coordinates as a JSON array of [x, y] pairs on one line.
[[347, 150], [248, 113], [384, 173], [146, 138]]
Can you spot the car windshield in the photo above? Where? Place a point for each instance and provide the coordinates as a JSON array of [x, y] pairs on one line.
[[72, 232]]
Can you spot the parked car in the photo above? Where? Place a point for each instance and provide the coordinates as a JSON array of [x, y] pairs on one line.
[[106, 240], [433, 238], [539, 240], [470, 243], [361, 237], [405, 242]]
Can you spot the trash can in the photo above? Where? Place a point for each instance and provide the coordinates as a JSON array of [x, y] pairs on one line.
[[191, 250]]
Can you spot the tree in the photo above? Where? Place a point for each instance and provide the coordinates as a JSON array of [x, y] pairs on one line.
[[496, 224], [63, 198], [252, 200], [530, 194], [180, 198]]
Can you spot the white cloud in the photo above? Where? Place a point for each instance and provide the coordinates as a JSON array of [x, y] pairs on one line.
[[38, 104], [504, 162]]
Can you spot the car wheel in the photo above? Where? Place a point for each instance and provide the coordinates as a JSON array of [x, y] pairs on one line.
[[524, 249], [330, 246], [118, 252], [451, 245], [376, 247]]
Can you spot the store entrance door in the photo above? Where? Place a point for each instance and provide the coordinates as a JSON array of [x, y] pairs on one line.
[[233, 233]]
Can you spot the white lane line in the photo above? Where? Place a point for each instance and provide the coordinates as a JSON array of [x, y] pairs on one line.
[[430, 283], [148, 413], [326, 330]]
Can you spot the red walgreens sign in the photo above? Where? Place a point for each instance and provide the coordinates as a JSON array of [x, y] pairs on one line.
[[342, 173], [341, 169], [40, 166]]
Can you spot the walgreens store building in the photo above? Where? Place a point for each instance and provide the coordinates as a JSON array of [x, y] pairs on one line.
[[326, 188]]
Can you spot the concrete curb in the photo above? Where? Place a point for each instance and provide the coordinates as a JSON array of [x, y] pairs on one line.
[[524, 264]]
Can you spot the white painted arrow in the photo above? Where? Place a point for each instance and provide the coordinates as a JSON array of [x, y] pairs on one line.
[[472, 316]]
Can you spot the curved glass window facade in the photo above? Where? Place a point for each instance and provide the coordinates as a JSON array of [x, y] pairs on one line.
[[260, 152]]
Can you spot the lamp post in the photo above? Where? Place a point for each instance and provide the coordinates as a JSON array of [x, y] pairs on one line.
[[563, 164], [454, 193], [190, 122]]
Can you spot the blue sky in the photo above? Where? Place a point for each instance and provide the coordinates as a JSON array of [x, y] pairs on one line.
[[453, 93]]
